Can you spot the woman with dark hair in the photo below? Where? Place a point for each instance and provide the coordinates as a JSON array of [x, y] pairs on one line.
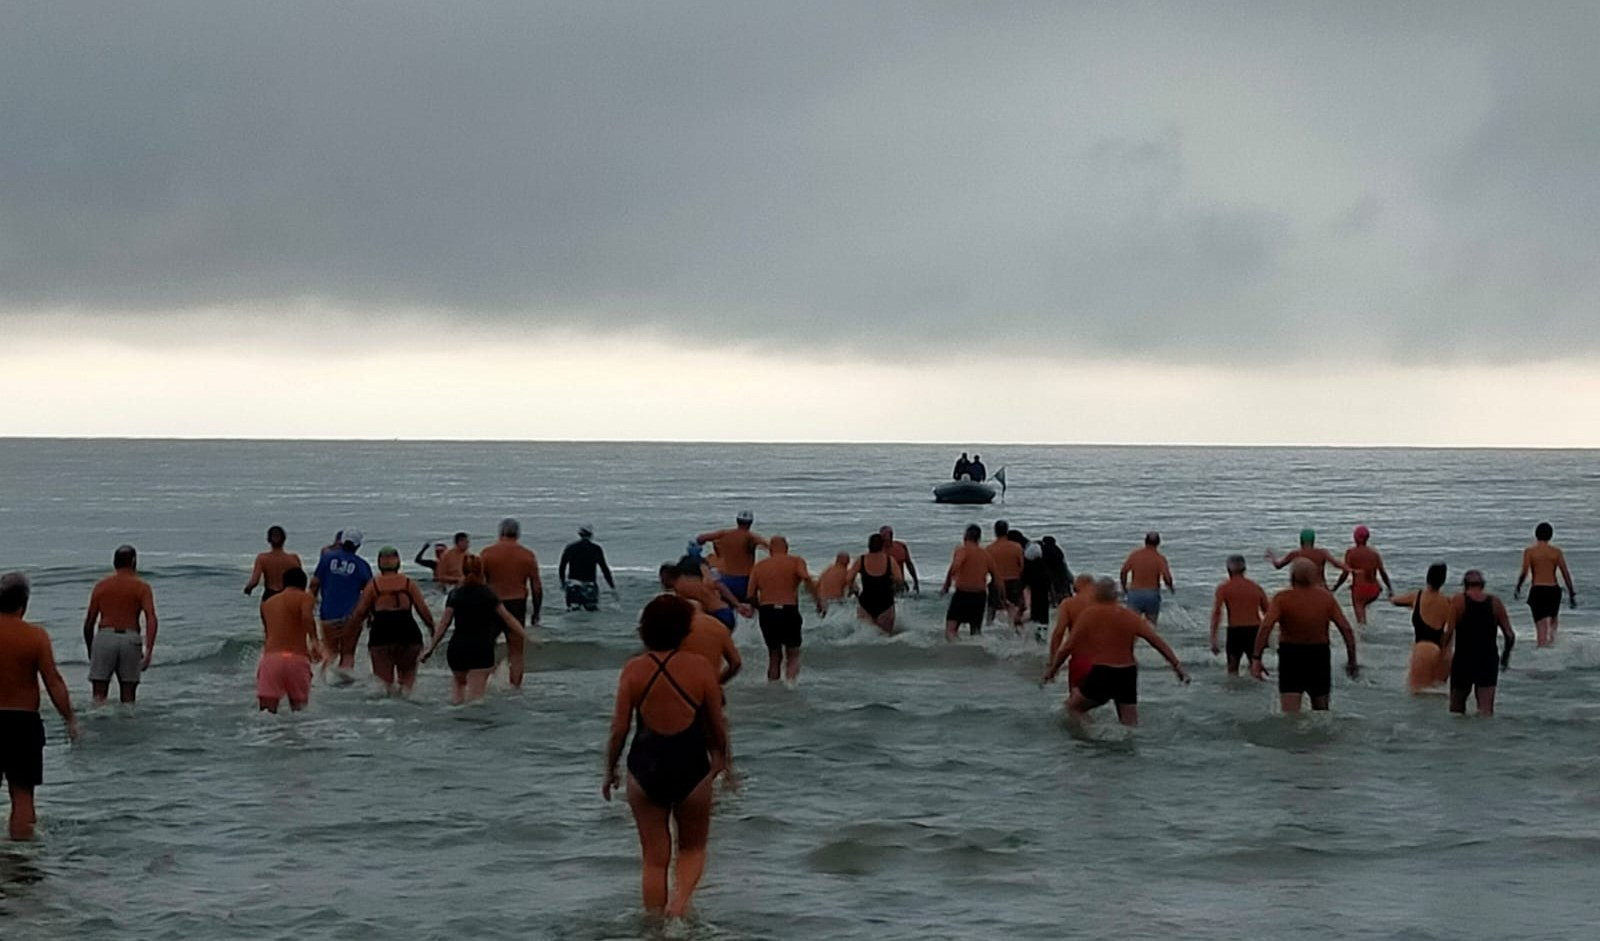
[[479, 617], [879, 579], [680, 745], [1430, 615]]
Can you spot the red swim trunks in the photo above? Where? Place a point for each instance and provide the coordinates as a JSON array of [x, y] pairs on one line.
[[284, 674], [1366, 594]]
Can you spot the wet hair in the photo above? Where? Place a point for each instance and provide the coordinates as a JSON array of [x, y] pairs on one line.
[[1017, 537], [276, 537], [973, 533], [126, 557], [14, 593], [460, 536], [1473, 579], [1236, 563], [874, 543], [689, 567], [1544, 531], [1303, 573], [295, 578], [472, 570], [510, 528], [664, 622], [1001, 528], [1152, 538], [1436, 575], [1105, 589]]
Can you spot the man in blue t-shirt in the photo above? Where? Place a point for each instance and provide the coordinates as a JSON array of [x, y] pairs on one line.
[[341, 575]]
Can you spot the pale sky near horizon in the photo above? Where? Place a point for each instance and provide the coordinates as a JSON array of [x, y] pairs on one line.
[[1247, 223]]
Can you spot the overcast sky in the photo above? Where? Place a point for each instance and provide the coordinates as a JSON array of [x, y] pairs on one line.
[[1004, 221]]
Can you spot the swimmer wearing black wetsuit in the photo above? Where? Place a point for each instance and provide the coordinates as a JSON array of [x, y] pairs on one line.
[[1474, 616]]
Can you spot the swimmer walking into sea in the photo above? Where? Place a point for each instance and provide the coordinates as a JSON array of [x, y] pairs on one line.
[[1245, 603], [511, 571], [111, 629], [880, 582], [736, 554], [289, 626], [1430, 616], [270, 565], [1319, 557], [1543, 561], [973, 573], [1105, 633], [834, 583], [394, 603], [1364, 567], [1305, 657], [775, 591], [339, 580], [1474, 616], [1143, 574], [680, 745], [27, 661]]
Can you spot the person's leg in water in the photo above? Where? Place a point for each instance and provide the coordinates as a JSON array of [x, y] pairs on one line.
[[23, 815], [458, 688], [693, 817], [99, 692], [1319, 703], [405, 666], [774, 664], [477, 684], [1289, 702], [1458, 699], [654, 824], [885, 622], [1128, 714], [516, 663], [383, 666], [127, 692], [1485, 700], [791, 663]]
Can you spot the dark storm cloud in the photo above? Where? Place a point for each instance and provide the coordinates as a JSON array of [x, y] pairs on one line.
[[1138, 178]]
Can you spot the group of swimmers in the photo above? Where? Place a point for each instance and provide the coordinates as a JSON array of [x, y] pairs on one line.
[[674, 705]]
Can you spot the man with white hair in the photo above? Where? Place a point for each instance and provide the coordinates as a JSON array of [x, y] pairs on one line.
[[26, 660], [512, 570], [580, 562]]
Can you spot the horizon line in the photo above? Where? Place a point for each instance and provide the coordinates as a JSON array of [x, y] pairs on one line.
[[212, 439]]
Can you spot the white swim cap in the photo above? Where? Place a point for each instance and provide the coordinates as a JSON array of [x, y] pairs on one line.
[[745, 516], [352, 536], [1033, 551]]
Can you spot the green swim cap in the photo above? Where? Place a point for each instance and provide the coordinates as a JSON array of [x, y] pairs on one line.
[[1308, 535], [390, 551]]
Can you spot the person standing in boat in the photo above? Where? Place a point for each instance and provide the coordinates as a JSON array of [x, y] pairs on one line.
[[963, 467], [976, 470]]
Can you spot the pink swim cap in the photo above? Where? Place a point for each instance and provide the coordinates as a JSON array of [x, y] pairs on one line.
[[1363, 534]]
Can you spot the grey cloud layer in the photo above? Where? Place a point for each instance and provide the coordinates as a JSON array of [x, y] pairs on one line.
[[1140, 178]]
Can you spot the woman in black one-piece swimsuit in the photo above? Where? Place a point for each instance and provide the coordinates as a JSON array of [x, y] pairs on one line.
[[669, 772]]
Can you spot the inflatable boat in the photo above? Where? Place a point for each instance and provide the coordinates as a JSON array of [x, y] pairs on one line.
[[970, 491]]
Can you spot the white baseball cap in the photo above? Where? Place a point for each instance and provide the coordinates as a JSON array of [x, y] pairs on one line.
[[352, 536]]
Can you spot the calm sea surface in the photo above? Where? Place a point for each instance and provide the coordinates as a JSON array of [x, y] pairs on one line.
[[906, 789]]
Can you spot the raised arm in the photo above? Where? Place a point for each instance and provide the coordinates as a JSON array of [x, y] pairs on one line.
[[431, 565]]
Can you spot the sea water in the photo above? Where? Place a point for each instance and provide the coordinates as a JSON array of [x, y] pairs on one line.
[[905, 789]]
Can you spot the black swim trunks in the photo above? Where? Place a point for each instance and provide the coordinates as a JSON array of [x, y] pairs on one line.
[[1544, 601], [1242, 642], [1475, 669], [268, 593], [518, 609], [21, 748], [968, 607], [1111, 684], [780, 625], [1305, 668], [1013, 591]]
